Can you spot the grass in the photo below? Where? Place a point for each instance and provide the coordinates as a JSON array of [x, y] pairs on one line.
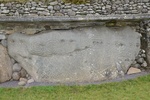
[[46, 1], [137, 89]]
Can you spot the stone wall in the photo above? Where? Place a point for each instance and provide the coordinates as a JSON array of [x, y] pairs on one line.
[[64, 42], [59, 8], [42, 54]]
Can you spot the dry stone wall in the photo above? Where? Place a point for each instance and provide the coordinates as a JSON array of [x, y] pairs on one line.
[[59, 8]]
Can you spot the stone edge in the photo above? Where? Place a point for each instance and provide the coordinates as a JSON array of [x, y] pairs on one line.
[[76, 19]]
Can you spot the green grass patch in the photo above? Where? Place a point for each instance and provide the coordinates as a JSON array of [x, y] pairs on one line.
[[137, 89]]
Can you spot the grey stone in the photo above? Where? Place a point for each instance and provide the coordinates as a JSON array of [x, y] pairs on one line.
[[134, 11], [2, 5], [16, 76], [58, 14], [33, 8], [34, 4], [4, 8], [85, 7], [145, 1], [12, 60], [43, 13], [30, 81], [144, 64], [76, 55], [67, 7], [16, 67], [134, 62], [23, 79], [140, 60], [27, 9], [74, 9], [23, 73], [71, 13], [5, 65], [22, 83], [5, 11], [126, 1], [18, 5], [143, 55], [143, 51], [57, 7], [2, 36], [4, 43], [16, 13], [50, 7], [136, 66], [40, 9], [53, 3], [28, 76], [144, 10]]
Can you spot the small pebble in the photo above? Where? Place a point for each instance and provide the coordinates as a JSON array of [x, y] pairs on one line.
[[144, 64], [133, 70], [140, 60], [143, 55], [22, 83], [136, 66], [23, 79], [16, 76], [23, 72], [16, 67], [30, 81]]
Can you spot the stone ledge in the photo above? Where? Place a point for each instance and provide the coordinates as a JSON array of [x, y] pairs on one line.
[[132, 17]]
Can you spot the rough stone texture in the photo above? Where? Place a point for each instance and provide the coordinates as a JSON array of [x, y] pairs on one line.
[[30, 81], [146, 24], [15, 76], [22, 83], [5, 65], [73, 18], [98, 7], [23, 79], [16, 67], [4, 43], [2, 36], [23, 73], [83, 54]]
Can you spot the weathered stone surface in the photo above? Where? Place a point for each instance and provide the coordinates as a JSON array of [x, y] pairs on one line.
[[23, 79], [4, 43], [144, 64], [22, 83], [83, 54], [2, 36], [133, 70], [16, 67], [16, 76], [5, 65], [23, 73], [30, 81]]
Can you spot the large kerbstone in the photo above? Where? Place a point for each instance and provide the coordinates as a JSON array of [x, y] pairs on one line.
[[5, 65], [83, 54]]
